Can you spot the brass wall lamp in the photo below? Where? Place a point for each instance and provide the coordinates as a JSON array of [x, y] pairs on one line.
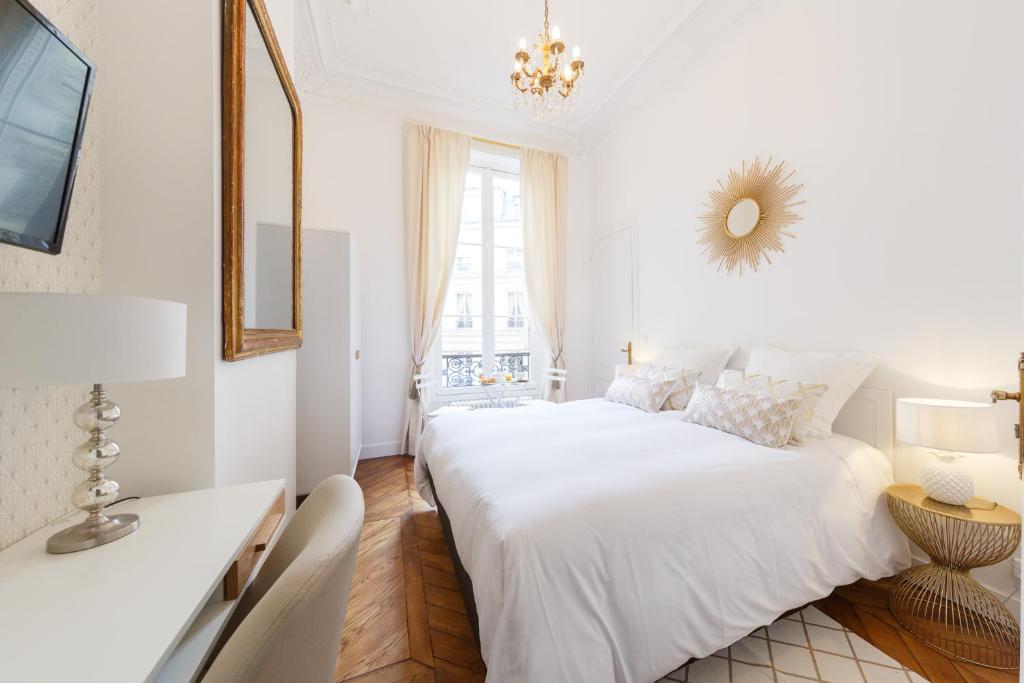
[[999, 395]]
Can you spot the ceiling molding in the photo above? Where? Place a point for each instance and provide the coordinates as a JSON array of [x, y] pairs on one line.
[[686, 33]]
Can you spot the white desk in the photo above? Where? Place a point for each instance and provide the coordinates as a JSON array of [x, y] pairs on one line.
[[121, 611]]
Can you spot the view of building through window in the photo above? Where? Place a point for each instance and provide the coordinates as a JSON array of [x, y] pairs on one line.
[[485, 325]]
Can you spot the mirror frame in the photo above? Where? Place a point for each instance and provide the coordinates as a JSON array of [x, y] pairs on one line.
[[239, 341]]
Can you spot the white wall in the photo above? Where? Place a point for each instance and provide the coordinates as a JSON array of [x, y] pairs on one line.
[[352, 180], [159, 186], [903, 122]]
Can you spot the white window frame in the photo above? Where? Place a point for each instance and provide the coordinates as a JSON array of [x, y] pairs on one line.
[[538, 358]]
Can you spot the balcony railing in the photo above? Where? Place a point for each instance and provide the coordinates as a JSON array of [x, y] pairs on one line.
[[463, 369]]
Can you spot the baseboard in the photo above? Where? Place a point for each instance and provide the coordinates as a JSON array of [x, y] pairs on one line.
[[380, 450]]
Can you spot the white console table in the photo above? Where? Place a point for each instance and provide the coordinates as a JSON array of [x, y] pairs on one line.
[[147, 607]]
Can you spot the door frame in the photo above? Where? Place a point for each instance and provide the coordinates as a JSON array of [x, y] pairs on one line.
[[630, 228]]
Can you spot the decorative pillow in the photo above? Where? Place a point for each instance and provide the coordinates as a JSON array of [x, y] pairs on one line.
[[685, 381], [645, 394], [780, 389], [842, 371], [710, 360], [755, 417]]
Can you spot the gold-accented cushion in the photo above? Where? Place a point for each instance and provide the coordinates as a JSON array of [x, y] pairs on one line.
[[755, 417], [780, 389], [685, 381], [645, 394]]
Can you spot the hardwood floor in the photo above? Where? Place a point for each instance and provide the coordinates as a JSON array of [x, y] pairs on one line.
[[862, 608], [406, 621]]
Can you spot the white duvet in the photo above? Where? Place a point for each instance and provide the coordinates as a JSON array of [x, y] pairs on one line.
[[608, 544]]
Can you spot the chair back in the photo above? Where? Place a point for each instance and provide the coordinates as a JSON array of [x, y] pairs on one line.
[[292, 614], [425, 389], [555, 376]]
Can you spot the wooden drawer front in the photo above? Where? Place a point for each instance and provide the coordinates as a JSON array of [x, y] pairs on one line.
[[240, 570]]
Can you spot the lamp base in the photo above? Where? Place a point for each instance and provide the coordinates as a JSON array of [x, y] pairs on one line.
[[89, 534]]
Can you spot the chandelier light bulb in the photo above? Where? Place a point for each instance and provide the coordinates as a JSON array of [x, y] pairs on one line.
[[555, 33], [518, 66], [575, 51], [567, 72], [522, 43]]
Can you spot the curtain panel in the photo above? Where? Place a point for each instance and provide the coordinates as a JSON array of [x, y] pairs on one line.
[[544, 181], [434, 179]]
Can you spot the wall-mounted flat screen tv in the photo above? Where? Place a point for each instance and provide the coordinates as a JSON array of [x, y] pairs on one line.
[[45, 83]]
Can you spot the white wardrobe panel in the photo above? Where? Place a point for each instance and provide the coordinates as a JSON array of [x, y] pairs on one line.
[[328, 420]]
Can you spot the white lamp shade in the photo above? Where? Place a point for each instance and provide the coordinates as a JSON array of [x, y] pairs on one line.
[[959, 426], [83, 339]]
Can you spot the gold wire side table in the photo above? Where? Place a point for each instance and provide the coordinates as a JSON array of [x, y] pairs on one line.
[[940, 602]]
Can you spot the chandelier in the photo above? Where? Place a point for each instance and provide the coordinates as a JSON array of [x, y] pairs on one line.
[[545, 84]]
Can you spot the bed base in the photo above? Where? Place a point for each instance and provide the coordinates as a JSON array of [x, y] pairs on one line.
[[465, 583]]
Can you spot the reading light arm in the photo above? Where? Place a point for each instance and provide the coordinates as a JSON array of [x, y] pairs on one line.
[[999, 395]]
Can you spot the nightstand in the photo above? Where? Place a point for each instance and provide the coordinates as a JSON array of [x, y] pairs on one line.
[[940, 602]]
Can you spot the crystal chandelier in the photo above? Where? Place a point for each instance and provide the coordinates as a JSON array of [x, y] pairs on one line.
[[545, 84]]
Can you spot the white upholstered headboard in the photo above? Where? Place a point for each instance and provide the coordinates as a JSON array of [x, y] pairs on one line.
[[868, 416]]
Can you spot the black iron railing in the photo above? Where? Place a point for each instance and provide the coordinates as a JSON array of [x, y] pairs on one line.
[[463, 369]]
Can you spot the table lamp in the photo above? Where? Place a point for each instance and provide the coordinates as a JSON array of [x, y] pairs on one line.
[[952, 428], [83, 339]]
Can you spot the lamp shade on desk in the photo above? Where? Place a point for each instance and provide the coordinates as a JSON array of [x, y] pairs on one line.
[[82, 339]]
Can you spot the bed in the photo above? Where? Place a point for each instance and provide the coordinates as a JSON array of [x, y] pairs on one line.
[[603, 543]]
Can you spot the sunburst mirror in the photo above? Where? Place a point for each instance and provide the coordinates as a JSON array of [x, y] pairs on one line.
[[748, 216]]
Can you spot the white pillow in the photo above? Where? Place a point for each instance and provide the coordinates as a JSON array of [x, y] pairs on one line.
[[685, 380], [645, 394], [710, 360], [779, 389], [842, 371], [760, 418]]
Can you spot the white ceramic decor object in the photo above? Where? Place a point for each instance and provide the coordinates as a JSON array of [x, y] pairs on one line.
[[946, 480]]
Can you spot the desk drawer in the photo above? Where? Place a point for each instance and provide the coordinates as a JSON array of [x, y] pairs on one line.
[[240, 570]]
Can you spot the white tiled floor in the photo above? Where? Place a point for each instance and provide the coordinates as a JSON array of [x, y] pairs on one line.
[[804, 646]]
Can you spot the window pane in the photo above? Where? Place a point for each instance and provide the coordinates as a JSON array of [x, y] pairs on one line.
[[508, 229], [472, 200]]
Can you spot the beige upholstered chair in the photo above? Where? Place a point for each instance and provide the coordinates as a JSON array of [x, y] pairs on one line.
[[292, 614]]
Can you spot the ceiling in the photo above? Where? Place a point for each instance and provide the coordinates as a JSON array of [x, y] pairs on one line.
[[460, 52]]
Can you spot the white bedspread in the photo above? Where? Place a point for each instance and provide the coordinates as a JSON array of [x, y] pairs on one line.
[[608, 544]]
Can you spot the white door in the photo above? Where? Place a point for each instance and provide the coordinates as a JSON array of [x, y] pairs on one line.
[[615, 301]]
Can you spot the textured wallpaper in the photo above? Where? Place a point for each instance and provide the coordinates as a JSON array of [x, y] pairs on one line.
[[36, 433]]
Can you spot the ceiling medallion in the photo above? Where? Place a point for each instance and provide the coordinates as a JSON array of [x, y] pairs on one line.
[[544, 86], [747, 217]]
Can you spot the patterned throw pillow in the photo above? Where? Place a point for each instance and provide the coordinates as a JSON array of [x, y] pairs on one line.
[[780, 389], [685, 381], [755, 417], [645, 394]]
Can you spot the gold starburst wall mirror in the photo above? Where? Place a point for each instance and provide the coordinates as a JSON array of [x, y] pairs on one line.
[[748, 216]]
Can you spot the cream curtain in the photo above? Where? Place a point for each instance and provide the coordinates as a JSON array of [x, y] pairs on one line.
[[434, 179], [543, 177]]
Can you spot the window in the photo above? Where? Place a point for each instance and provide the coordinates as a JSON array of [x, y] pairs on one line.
[[485, 324], [465, 306], [516, 309]]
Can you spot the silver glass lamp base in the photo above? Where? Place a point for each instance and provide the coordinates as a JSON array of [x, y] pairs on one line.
[[96, 492], [89, 535]]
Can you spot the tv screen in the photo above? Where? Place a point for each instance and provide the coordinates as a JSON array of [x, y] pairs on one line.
[[44, 95]]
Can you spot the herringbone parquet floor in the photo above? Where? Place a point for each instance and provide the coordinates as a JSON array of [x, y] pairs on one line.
[[406, 621]]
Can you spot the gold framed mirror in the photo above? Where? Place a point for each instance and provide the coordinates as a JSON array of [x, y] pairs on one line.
[[262, 188], [748, 215]]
